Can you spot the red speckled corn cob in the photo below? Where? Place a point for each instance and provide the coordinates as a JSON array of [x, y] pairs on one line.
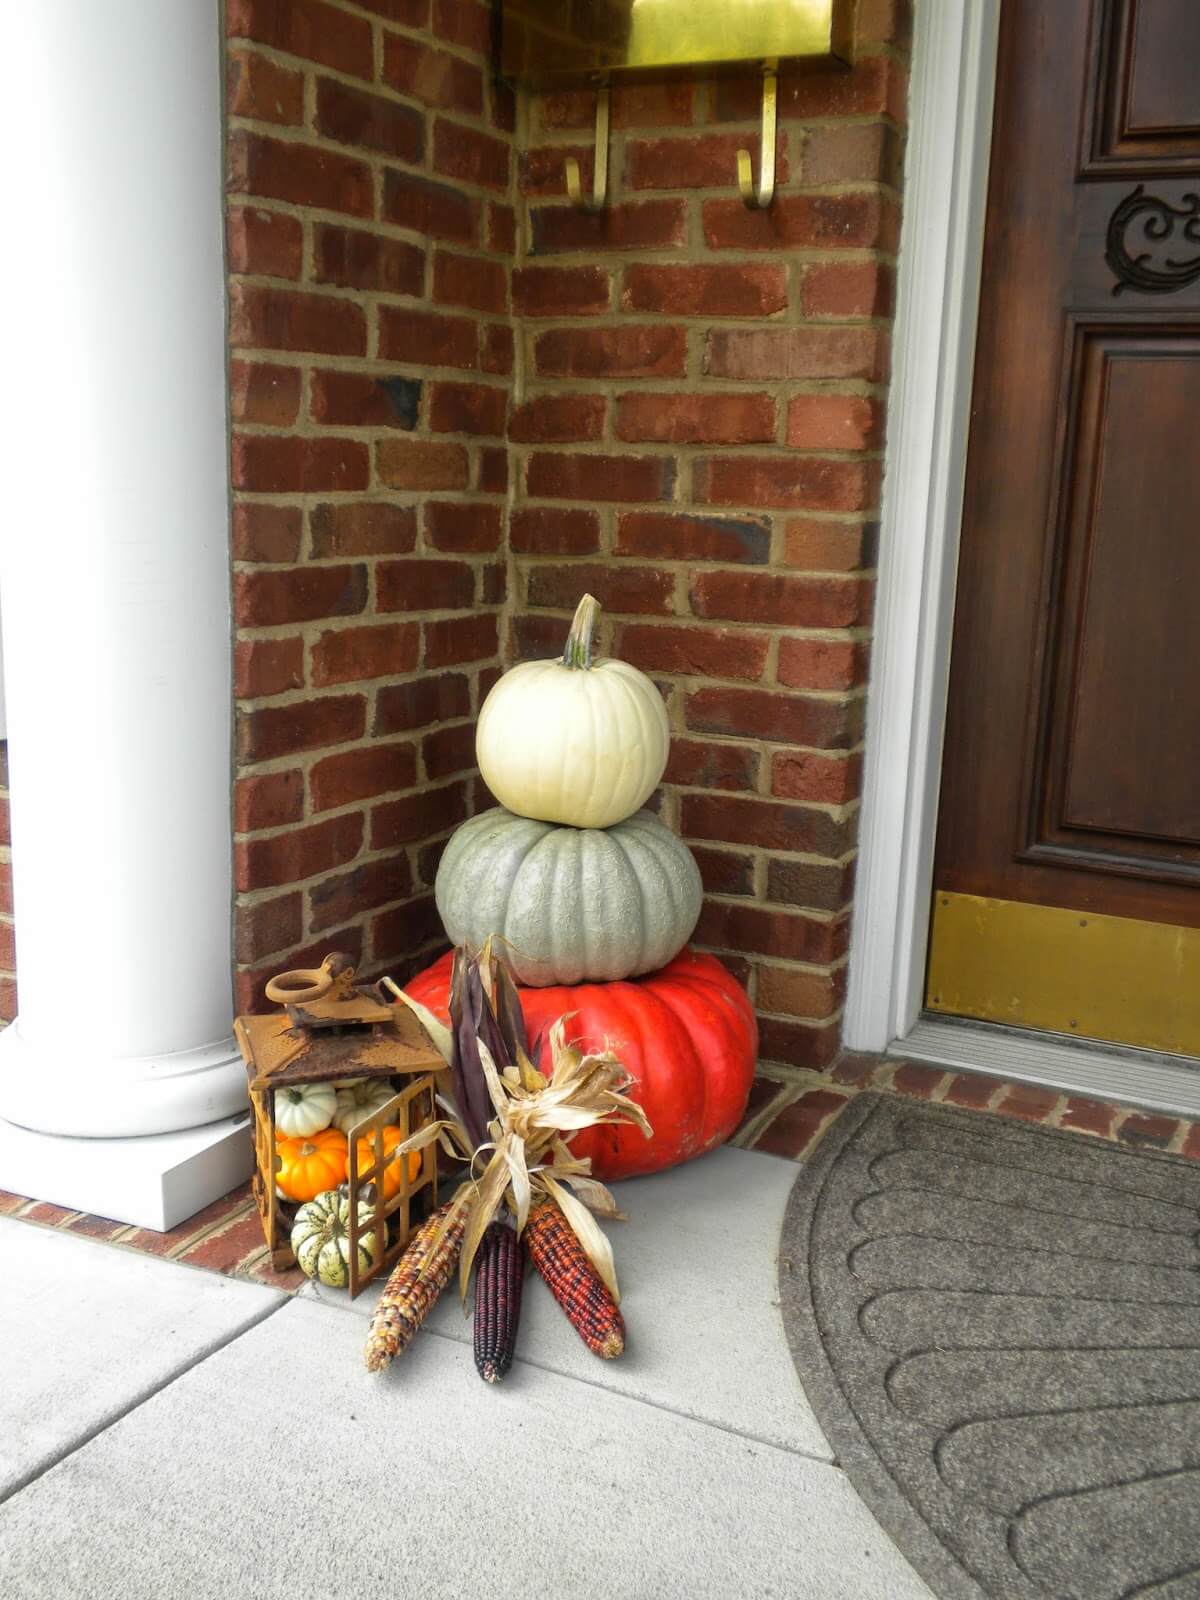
[[499, 1276], [574, 1282]]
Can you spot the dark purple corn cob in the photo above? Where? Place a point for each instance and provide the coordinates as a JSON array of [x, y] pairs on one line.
[[499, 1275]]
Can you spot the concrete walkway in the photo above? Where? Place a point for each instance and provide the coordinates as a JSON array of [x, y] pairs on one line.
[[165, 1430]]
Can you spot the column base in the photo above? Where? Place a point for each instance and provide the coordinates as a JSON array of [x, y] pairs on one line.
[[82, 1093], [153, 1182]]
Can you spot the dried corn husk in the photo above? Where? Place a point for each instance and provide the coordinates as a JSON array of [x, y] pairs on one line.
[[523, 1154]]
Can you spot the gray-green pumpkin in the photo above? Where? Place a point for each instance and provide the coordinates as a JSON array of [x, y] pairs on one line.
[[574, 904], [321, 1239]]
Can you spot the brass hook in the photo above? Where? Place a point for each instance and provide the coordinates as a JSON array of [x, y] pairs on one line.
[[599, 193], [759, 199]]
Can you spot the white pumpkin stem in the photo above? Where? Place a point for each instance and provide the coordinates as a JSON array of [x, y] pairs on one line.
[[581, 639]]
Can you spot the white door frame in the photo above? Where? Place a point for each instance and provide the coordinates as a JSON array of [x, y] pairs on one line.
[[941, 247]]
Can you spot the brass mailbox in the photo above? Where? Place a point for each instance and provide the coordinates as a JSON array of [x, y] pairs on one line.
[[556, 41]]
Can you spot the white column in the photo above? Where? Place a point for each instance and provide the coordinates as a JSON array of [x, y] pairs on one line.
[[114, 580]]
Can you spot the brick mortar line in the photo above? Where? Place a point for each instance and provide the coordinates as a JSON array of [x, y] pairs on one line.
[[745, 1136], [309, 134], [650, 619], [370, 854], [687, 255], [314, 630], [687, 453], [518, 381], [383, 26], [308, 759], [378, 166], [809, 914], [366, 366], [356, 222], [794, 185], [307, 694], [801, 1019], [791, 187], [551, 136], [308, 66], [780, 388], [359, 433], [714, 625]]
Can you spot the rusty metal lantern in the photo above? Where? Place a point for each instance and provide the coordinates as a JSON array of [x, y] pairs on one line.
[[329, 1030]]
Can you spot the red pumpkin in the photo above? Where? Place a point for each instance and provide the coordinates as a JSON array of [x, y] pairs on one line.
[[686, 1035]]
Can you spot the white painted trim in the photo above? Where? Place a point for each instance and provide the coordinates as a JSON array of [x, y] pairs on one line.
[[155, 1182], [950, 118], [1105, 1072]]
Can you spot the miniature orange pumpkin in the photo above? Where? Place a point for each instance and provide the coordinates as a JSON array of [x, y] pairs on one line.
[[307, 1167], [364, 1158]]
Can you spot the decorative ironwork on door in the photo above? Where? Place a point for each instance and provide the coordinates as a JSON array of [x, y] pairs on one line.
[[1162, 220]]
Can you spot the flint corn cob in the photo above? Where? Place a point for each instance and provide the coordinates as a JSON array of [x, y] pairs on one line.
[[416, 1281], [498, 1281], [574, 1282]]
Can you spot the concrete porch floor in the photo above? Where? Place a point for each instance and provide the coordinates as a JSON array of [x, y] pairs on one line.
[[165, 1429]]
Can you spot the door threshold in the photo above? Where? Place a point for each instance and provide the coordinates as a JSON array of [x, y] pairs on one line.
[[1129, 1076]]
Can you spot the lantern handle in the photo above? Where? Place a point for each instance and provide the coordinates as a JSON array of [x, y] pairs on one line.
[[301, 985]]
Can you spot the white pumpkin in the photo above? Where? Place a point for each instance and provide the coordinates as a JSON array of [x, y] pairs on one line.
[[362, 1099], [573, 904], [304, 1108], [321, 1239], [570, 740]]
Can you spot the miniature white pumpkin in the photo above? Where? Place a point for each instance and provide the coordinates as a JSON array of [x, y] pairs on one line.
[[573, 904], [321, 1239], [570, 740], [363, 1099], [304, 1108]]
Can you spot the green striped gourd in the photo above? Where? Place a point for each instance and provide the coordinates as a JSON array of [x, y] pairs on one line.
[[321, 1239]]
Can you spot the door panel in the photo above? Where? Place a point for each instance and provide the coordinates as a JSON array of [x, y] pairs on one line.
[[1116, 786], [1071, 773], [1131, 730], [1141, 99]]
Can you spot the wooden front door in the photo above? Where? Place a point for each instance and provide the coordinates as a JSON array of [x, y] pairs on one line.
[[1067, 871]]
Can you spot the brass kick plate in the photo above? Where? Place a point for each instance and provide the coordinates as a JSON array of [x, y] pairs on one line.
[[1072, 972]]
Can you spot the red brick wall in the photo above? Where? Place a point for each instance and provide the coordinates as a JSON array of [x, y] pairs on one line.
[[697, 440], [695, 435], [694, 413], [370, 237]]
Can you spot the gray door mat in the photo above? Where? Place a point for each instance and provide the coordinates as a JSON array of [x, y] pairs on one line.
[[998, 1327]]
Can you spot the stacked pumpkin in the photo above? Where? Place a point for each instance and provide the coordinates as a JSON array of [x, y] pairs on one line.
[[595, 900]]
